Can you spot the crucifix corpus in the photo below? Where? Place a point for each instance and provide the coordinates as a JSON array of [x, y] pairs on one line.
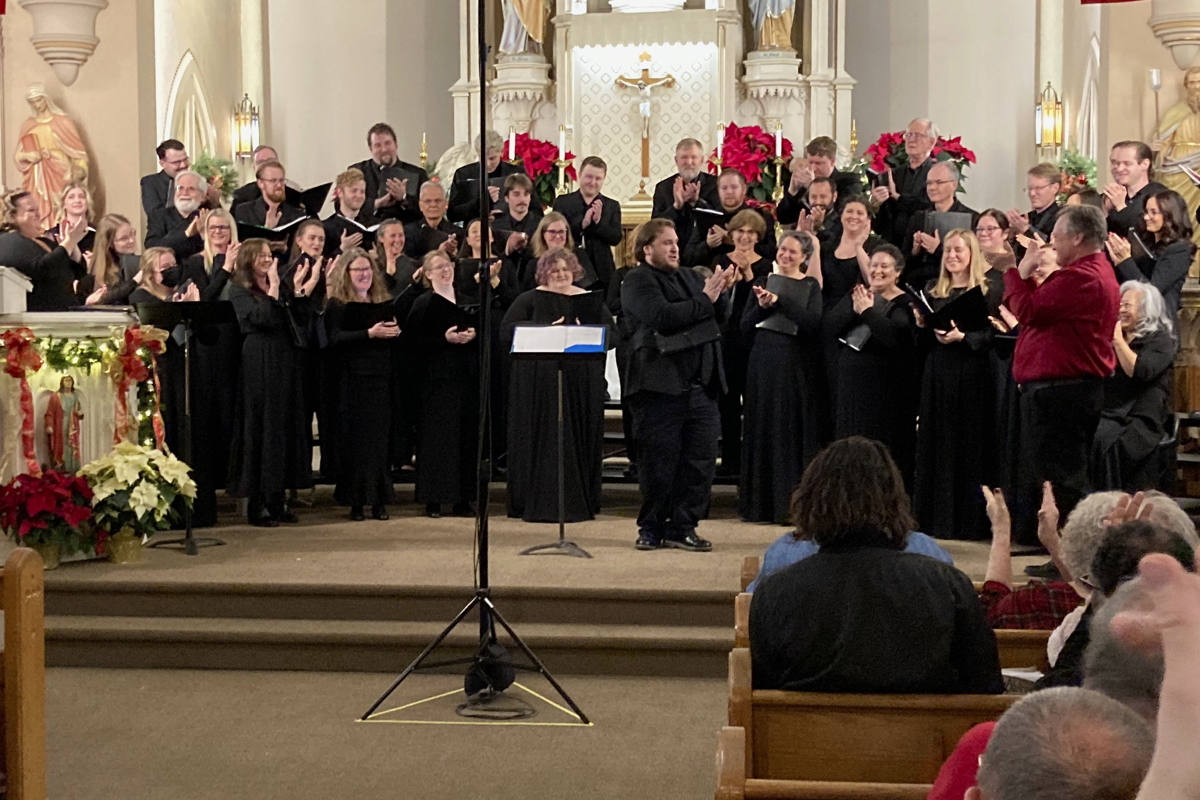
[[645, 85]]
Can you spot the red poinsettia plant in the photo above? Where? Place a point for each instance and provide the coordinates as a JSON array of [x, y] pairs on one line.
[[540, 159], [51, 509], [751, 151], [888, 151]]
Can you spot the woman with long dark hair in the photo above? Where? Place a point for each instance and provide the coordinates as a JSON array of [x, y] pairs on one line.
[[272, 452], [364, 391], [51, 268], [1165, 231]]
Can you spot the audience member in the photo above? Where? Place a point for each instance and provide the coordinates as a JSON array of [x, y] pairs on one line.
[[1165, 248], [677, 197], [388, 195], [862, 615], [51, 268], [594, 218]]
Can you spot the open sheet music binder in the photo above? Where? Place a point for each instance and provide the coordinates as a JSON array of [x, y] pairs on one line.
[[550, 341]]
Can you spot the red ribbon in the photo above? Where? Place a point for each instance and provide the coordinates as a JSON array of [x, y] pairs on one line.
[[20, 359], [127, 368]]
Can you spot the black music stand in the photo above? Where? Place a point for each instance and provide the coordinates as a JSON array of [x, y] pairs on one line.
[[167, 316], [561, 351]]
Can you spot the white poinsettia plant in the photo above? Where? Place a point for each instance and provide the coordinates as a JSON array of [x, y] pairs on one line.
[[135, 486]]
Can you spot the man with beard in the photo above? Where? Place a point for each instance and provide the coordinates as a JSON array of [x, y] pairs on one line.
[[249, 192], [1125, 198], [1178, 140], [434, 231], [514, 230], [822, 217], [818, 161], [904, 193], [710, 232], [179, 225], [676, 197], [271, 210], [388, 195]]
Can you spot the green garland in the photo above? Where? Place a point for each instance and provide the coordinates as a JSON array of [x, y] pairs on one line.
[[219, 172], [1079, 172]]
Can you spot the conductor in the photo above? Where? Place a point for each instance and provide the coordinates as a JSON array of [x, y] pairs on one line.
[[673, 380]]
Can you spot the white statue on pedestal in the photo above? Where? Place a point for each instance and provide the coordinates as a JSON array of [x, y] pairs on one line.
[[524, 27], [773, 23]]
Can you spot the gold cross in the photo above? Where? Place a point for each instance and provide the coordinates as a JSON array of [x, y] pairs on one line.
[[645, 85]]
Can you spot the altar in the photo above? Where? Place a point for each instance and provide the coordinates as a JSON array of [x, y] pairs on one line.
[[558, 66]]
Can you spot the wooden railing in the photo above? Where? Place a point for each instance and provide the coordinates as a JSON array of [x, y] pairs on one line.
[[23, 715]]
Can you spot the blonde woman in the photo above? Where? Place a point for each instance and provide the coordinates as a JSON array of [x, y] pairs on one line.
[[956, 448], [106, 283], [75, 206], [554, 232], [212, 268]]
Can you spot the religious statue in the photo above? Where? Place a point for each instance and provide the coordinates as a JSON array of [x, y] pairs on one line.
[[524, 26], [773, 23], [50, 153], [63, 414], [1178, 143]]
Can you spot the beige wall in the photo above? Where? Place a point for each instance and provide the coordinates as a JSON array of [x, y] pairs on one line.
[[112, 102]]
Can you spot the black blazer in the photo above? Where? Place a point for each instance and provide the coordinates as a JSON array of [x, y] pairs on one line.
[[256, 213], [336, 224], [418, 239], [664, 203], [924, 267], [156, 192], [598, 239], [50, 270], [846, 184], [168, 228], [892, 221], [698, 253], [250, 192], [669, 301], [1165, 272], [464, 190], [407, 209]]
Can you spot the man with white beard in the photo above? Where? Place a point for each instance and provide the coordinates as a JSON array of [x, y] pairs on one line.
[[178, 226], [676, 197]]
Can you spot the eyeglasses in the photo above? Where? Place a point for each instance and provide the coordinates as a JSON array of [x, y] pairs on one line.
[[1041, 188], [360, 269], [552, 232], [916, 135], [938, 183], [988, 229], [273, 181], [216, 228]]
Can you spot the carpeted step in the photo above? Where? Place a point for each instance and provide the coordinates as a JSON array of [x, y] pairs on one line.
[[366, 646]]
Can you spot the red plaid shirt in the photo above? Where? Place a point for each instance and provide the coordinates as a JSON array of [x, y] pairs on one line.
[[1034, 607]]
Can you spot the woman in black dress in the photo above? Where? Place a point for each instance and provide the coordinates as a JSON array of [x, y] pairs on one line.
[[75, 203], [1166, 229], [533, 402], [212, 268], [398, 270], [448, 362], [747, 229], [403, 277], [956, 451], [876, 374], [843, 267], [52, 269], [272, 453], [783, 407], [106, 283], [1137, 397], [364, 391]]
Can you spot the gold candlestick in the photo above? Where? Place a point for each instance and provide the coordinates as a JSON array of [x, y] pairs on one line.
[[424, 152], [853, 139], [563, 183], [777, 194]]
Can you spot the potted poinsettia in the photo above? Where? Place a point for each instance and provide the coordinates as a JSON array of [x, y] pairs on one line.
[[49, 513], [540, 159], [751, 151], [134, 488]]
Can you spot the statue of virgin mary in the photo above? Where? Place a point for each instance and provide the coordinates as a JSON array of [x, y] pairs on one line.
[[773, 23]]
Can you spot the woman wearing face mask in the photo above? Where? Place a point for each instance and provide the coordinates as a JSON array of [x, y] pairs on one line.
[[1166, 231], [783, 407], [116, 246], [876, 374], [364, 396], [1137, 407], [533, 402], [956, 439], [76, 207]]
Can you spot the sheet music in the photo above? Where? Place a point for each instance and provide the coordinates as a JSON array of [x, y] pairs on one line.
[[559, 339]]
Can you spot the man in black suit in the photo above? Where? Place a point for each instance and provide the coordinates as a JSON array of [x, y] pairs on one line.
[[464, 189], [178, 226], [271, 209], [818, 161], [676, 197], [922, 244], [673, 378], [250, 192], [595, 219], [390, 197], [514, 229], [710, 234], [1043, 184], [158, 190], [348, 226], [434, 231], [904, 193]]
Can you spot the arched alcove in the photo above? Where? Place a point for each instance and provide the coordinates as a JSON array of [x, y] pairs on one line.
[[187, 116]]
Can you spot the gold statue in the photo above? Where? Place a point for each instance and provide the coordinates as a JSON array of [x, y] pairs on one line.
[[1177, 141], [50, 153], [773, 20]]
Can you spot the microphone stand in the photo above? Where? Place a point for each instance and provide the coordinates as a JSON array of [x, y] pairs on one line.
[[489, 657]]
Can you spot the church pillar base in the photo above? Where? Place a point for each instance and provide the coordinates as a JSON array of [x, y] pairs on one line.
[[519, 92], [773, 81]]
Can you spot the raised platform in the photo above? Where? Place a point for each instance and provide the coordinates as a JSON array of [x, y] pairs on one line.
[[330, 594]]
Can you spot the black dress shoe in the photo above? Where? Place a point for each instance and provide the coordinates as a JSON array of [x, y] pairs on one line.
[[1047, 571], [379, 511], [356, 513], [287, 517], [690, 542], [647, 541], [433, 510], [263, 522]]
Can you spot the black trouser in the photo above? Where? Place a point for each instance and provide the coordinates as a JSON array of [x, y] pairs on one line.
[[272, 505], [1058, 423], [677, 445]]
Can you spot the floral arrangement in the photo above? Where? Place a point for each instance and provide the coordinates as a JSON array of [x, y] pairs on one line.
[[133, 362], [888, 151], [1078, 171], [135, 487], [219, 172], [50, 510], [751, 151], [540, 159]]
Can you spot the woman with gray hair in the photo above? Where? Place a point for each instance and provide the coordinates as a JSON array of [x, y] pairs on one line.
[[1137, 395]]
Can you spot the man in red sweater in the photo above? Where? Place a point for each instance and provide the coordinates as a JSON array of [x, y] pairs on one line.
[[1064, 351]]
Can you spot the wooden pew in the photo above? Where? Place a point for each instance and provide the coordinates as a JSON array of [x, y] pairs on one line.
[[750, 567], [800, 742], [23, 713], [1017, 648]]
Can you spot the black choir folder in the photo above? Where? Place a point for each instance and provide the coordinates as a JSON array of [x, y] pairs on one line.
[[968, 311], [446, 315], [942, 222], [362, 316], [796, 292], [400, 174], [280, 233]]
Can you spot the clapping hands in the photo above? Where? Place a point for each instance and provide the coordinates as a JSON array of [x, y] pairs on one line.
[[1118, 248], [862, 298]]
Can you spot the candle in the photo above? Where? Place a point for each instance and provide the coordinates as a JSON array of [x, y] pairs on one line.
[[720, 141], [1156, 79], [562, 142], [512, 144], [779, 141]]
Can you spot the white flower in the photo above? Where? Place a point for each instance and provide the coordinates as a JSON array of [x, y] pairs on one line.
[[144, 498]]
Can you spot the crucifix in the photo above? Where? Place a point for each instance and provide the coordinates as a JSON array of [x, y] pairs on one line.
[[645, 85]]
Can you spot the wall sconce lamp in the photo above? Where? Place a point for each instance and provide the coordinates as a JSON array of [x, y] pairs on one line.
[[1049, 120], [245, 128]]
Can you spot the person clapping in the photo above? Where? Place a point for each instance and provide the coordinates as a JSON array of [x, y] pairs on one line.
[[52, 268]]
